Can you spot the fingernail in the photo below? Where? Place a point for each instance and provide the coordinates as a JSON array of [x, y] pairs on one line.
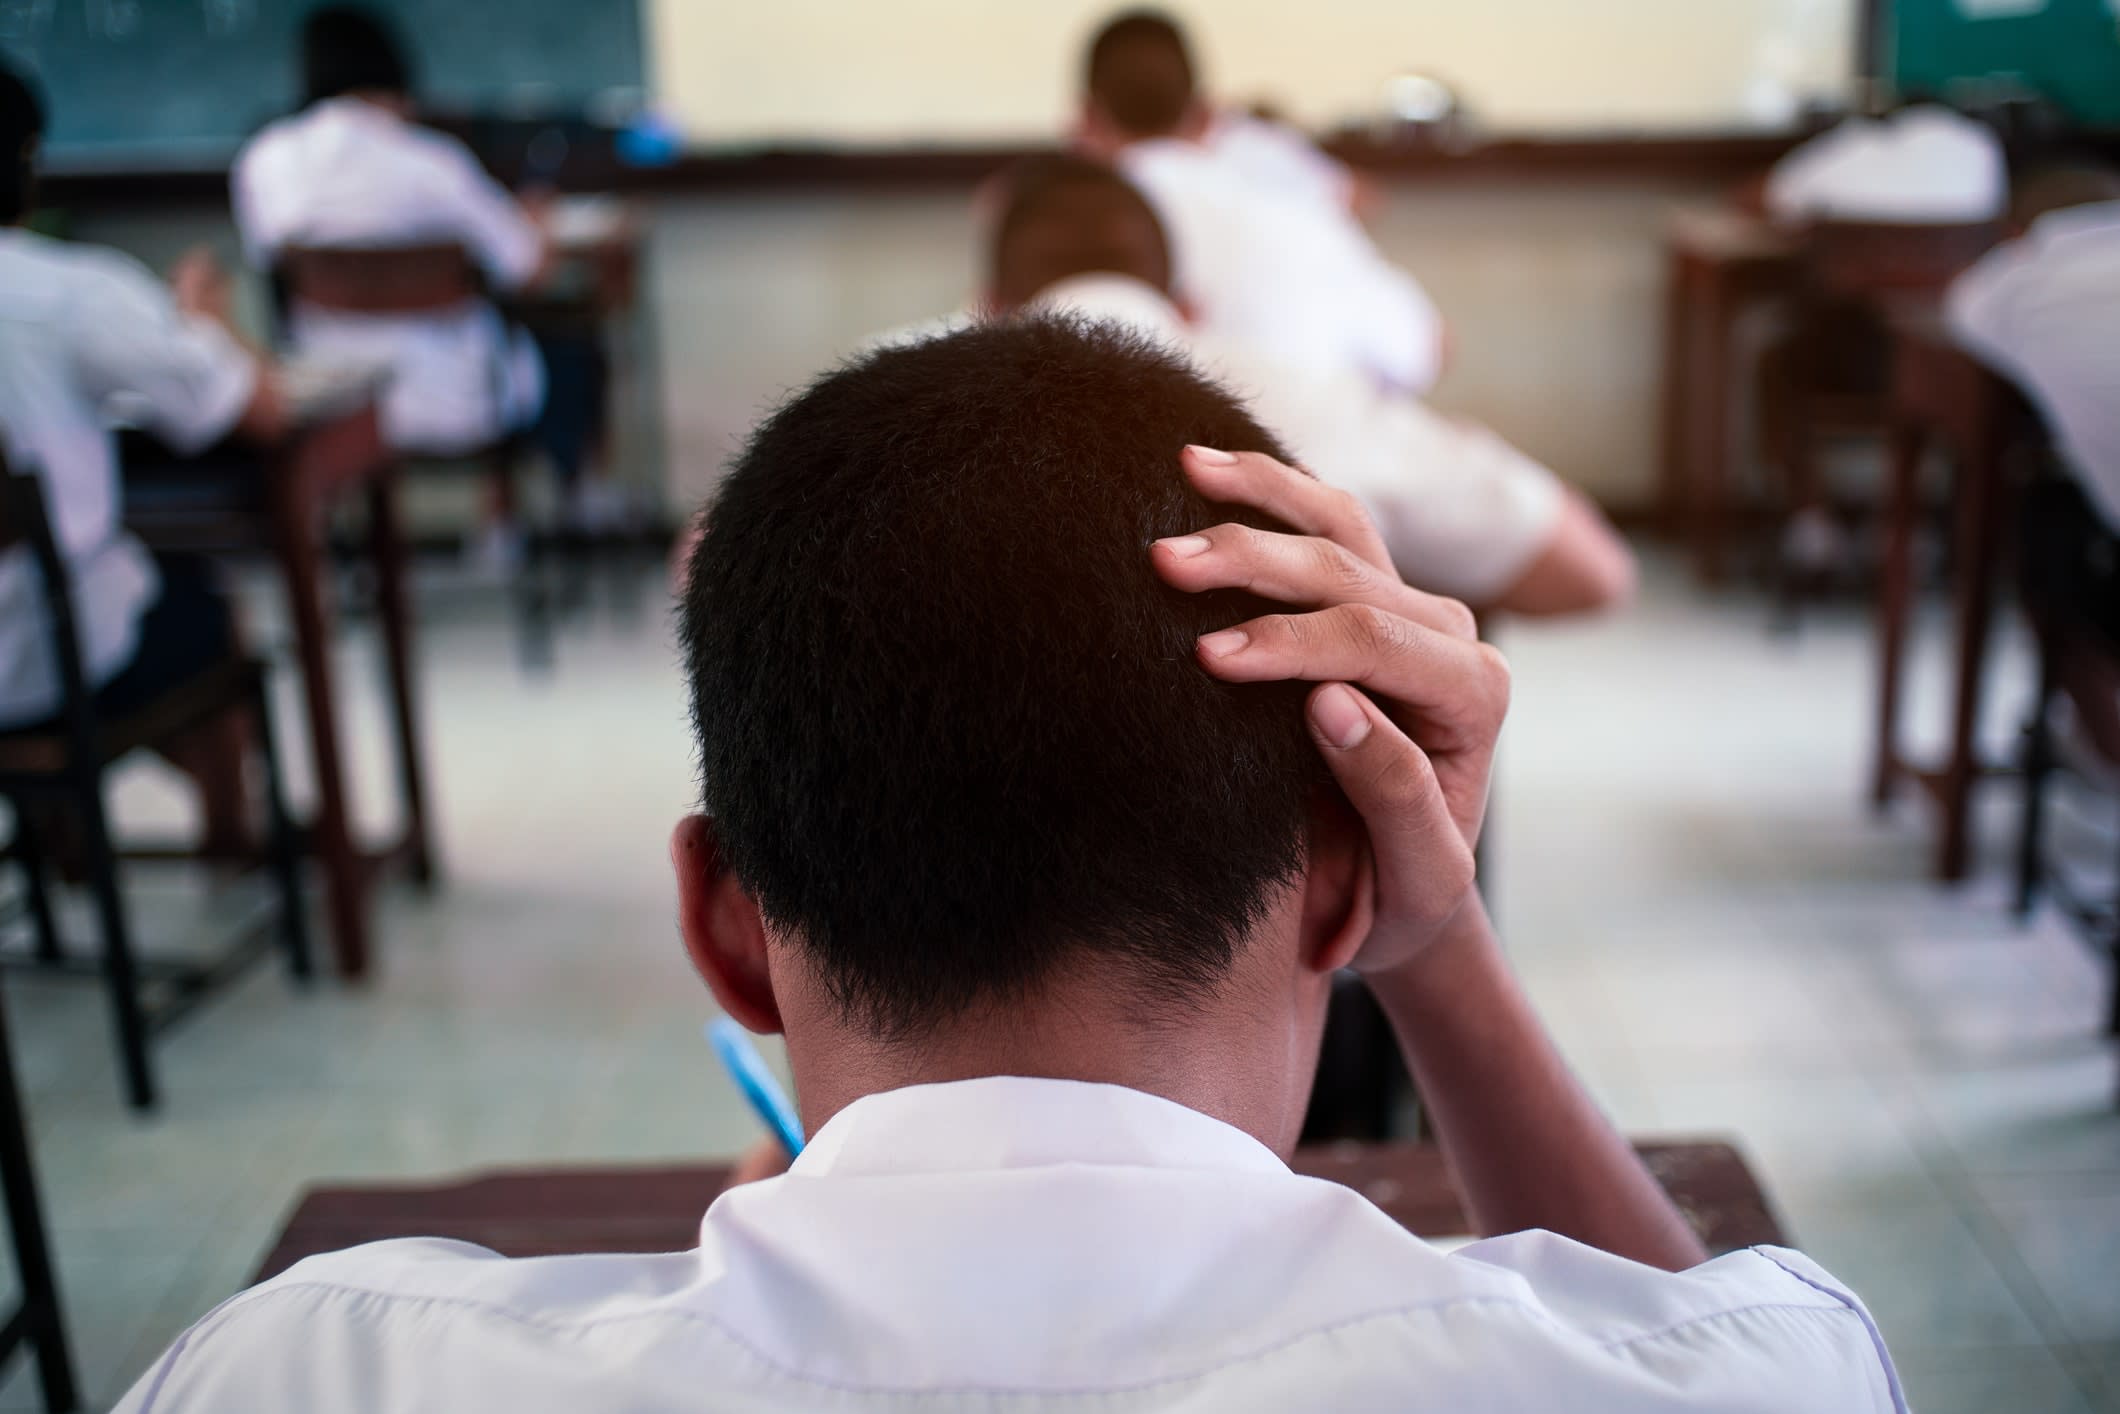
[[1213, 457], [1184, 547], [1225, 642], [1340, 716]]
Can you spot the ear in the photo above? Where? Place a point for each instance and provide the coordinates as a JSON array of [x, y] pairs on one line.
[[724, 935], [1339, 886]]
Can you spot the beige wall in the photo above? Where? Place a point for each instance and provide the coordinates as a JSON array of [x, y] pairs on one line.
[[885, 71]]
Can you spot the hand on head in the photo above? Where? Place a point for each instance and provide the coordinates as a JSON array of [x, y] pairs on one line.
[[1409, 701]]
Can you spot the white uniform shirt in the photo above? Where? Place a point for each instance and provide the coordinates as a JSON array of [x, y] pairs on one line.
[[2045, 311], [1290, 273], [1922, 164], [87, 335], [1033, 1245], [1281, 159], [1462, 512], [344, 172]]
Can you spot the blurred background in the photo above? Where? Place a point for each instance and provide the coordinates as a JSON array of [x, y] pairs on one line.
[[1760, 843]]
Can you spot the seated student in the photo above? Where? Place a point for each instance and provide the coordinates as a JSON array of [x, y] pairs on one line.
[[1042, 842], [1252, 261], [1919, 163], [1462, 512], [352, 168], [2044, 309], [87, 334]]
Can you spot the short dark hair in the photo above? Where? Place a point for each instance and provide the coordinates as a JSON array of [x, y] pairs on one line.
[[351, 49], [952, 731], [21, 134], [1140, 72], [1065, 216]]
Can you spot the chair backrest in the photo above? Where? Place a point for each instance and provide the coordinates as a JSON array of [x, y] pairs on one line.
[[25, 523], [410, 279], [1852, 259]]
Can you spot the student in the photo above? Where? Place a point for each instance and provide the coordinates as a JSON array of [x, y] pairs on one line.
[[2044, 309], [353, 168], [1041, 842], [1921, 163], [1253, 260], [86, 335], [1462, 512]]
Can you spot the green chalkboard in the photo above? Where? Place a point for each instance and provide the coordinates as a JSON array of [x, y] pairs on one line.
[[135, 80], [2066, 50]]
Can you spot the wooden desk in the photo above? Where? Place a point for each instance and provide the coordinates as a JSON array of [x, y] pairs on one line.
[[279, 500], [530, 1213], [1720, 261], [1942, 395]]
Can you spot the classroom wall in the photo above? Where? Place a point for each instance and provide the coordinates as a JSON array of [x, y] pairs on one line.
[[971, 71]]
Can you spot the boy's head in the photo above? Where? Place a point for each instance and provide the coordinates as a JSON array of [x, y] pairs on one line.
[[1068, 216], [352, 49], [21, 136], [1138, 82], [955, 746]]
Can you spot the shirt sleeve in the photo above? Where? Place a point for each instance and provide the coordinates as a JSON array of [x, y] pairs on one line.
[[184, 378], [1462, 512], [1980, 305], [492, 224]]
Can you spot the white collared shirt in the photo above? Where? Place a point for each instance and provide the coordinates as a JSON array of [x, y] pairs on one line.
[[1291, 273], [88, 336], [1033, 1245], [1462, 512], [1281, 159], [2045, 311], [1924, 164], [344, 172]]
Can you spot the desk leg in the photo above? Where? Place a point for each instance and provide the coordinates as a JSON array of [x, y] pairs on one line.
[[1710, 414], [1677, 397], [1977, 537], [1894, 594], [388, 541], [345, 881]]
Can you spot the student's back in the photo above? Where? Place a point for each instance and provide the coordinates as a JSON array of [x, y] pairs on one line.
[[352, 170]]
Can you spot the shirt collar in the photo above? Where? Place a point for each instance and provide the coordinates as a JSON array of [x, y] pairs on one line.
[[1014, 1122], [1119, 299]]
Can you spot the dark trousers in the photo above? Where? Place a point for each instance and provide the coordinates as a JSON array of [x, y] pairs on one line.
[[570, 427]]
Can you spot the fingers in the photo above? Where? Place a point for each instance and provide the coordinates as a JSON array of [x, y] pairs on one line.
[[1458, 688], [1299, 569], [1296, 497], [1392, 784]]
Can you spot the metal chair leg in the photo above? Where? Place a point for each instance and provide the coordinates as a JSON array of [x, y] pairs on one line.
[[43, 1321], [120, 978], [28, 852], [285, 848], [2038, 772]]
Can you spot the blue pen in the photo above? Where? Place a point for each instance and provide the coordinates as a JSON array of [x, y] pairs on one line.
[[748, 1068]]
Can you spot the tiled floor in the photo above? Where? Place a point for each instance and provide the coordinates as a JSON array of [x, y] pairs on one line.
[[1722, 936]]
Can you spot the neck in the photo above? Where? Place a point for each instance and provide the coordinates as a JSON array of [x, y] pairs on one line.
[[1230, 1057]]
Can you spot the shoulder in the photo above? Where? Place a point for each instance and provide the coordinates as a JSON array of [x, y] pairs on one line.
[[92, 280]]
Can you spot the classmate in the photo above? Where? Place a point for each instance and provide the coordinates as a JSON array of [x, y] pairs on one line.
[[353, 168], [2044, 309], [1462, 512], [1254, 260], [1041, 842], [86, 335], [1918, 163]]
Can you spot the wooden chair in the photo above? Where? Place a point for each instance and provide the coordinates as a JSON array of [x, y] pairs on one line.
[[37, 1320], [433, 279], [1830, 377], [65, 762]]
